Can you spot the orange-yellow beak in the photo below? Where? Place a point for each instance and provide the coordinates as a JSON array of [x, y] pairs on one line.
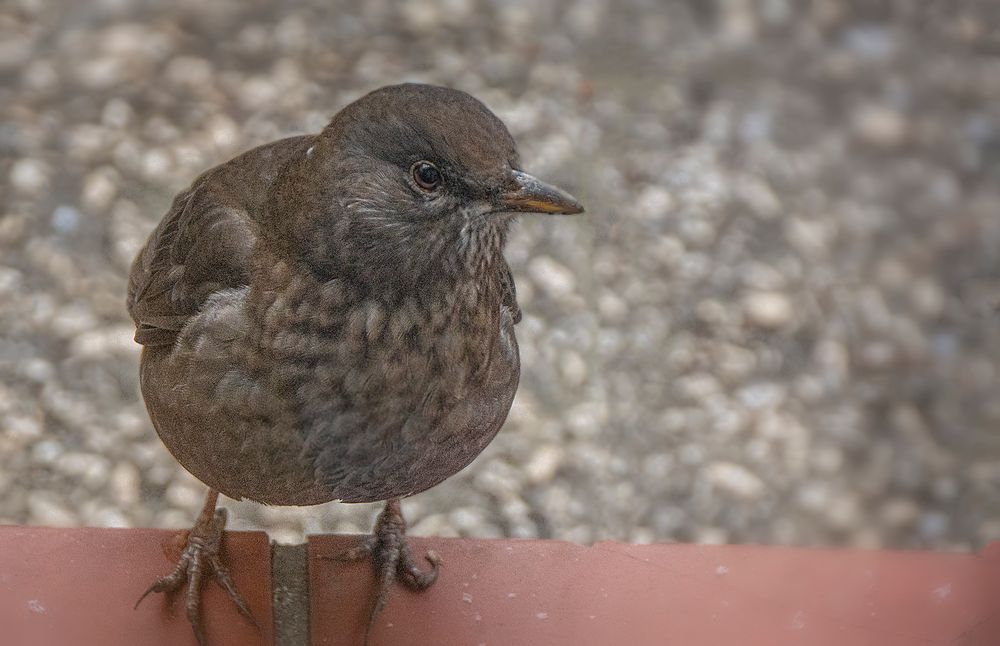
[[531, 195]]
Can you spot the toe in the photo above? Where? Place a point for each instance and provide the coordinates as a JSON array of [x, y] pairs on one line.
[[192, 600], [170, 582], [413, 577], [225, 581]]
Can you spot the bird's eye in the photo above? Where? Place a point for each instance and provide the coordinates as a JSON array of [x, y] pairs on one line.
[[426, 175]]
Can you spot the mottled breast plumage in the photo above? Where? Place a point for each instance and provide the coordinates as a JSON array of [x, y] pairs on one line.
[[270, 383]]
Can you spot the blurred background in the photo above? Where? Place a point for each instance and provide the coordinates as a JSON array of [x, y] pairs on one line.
[[779, 321]]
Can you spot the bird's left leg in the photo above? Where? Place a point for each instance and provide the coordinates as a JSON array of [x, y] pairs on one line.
[[391, 559]]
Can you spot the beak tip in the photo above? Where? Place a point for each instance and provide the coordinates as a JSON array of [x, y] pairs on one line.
[[535, 196], [569, 204]]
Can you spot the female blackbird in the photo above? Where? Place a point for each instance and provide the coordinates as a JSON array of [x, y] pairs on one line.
[[330, 317]]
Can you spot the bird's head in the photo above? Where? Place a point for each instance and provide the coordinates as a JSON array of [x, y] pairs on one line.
[[412, 179]]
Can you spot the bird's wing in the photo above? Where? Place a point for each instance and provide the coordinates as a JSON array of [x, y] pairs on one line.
[[508, 293], [202, 245]]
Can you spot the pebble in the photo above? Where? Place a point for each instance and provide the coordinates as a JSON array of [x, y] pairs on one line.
[[107, 517], [46, 452], [432, 525], [697, 387], [810, 237], [516, 512], [669, 251], [23, 427], [933, 525], [696, 233], [760, 197], [45, 508], [88, 469], [155, 164], [100, 73], [180, 519], [551, 276], [186, 495], [469, 521], [65, 219], [573, 368], [29, 176], [870, 41], [110, 341], [99, 189], [612, 308], [72, 319], [711, 536], [124, 483], [761, 276], [770, 310], [900, 512], [117, 113], [814, 496], [844, 511], [10, 281], [880, 125], [928, 297], [544, 463], [41, 76], [669, 520], [654, 203], [734, 479], [762, 395]]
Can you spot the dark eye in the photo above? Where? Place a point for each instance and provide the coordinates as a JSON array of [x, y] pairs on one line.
[[426, 175]]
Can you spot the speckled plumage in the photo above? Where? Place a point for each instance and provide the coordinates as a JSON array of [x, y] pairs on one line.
[[310, 332], [330, 317]]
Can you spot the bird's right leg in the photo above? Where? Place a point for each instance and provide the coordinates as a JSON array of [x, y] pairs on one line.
[[201, 556]]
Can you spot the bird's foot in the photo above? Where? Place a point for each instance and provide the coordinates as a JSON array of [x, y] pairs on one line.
[[391, 558], [200, 557]]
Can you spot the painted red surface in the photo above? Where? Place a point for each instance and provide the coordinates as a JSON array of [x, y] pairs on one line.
[[77, 587], [508, 593]]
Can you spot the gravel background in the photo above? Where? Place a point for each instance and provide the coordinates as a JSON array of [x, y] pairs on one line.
[[779, 323]]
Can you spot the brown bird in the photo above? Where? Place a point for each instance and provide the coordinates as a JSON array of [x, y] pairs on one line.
[[331, 317]]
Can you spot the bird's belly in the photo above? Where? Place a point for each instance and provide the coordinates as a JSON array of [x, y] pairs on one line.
[[411, 440], [303, 437]]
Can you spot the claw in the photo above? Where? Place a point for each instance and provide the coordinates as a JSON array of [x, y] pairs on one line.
[[225, 581], [415, 578]]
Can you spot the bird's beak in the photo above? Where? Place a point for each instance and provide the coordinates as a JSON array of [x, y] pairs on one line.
[[531, 195]]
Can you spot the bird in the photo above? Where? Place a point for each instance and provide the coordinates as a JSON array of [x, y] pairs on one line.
[[330, 317]]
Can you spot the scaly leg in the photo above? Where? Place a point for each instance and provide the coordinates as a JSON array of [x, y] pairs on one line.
[[201, 557], [391, 559]]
